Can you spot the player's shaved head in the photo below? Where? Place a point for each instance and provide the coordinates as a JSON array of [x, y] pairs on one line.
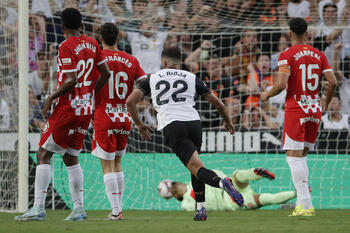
[[109, 33], [71, 18], [173, 53], [298, 26]]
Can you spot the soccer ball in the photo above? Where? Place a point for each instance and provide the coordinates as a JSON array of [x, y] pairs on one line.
[[164, 189]]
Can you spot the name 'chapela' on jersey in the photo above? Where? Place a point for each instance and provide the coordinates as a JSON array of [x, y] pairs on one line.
[[173, 93]]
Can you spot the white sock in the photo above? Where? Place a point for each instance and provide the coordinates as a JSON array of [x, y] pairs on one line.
[[42, 181], [120, 180], [300, 180], [200, 205], [76, 183], [112, 192]]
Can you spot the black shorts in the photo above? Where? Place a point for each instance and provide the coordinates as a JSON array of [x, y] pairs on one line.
[[183, 137]]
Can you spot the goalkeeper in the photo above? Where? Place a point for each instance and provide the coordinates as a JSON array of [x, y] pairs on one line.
[[218, 199]]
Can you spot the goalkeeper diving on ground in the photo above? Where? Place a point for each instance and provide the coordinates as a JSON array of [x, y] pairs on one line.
[[217, 199]]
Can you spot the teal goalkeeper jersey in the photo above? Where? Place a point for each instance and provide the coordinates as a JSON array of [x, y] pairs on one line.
[[215, 198]]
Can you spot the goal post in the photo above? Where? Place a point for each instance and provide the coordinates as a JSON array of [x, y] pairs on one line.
[[23, 106]]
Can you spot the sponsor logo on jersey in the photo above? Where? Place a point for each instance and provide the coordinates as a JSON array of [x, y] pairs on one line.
[[308, 103], [118, 131], [66, 61], [119, 112], [79, 130], [312, 119]]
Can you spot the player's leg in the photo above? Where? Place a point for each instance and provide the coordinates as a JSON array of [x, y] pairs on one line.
[[42, 181], [242, 177], [119, 175], [199, 192], [76, 185], [111, 188], [51, 141], [75, 173], [274, 198]]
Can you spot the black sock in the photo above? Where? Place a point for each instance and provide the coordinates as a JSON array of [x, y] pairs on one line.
[[198, 188], [208, 177]]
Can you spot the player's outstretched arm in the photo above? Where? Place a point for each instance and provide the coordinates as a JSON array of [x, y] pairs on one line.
[[136, 96], [220, 106], [105, 75], [277, 88], [332, 84], [68, 84]]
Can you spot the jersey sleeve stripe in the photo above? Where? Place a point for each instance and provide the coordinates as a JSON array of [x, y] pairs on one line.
[[142, 77], [101, 62], [326, 70], [68, 71], [283, 62]]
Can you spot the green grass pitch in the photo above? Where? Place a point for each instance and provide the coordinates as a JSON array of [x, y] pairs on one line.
[[177, 221]]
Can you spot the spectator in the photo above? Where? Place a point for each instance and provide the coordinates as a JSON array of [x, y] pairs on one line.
[[36, 122], [339, 3], [36, 40], [298, 8], [334, 119], [39, 79], [343, 77], [283, 43], [328, 33], [255, 118], [147, 45], [245, 52], [255, 79], [139, 12]]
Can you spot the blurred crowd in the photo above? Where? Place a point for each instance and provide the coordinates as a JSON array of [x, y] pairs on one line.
[[232, 45]]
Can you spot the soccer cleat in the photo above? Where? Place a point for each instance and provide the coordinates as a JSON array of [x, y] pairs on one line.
[[232, 192], [299, 211], [77, 214], [36, 213], [296, 211], [201, 215], [113, 217], [264, 173]]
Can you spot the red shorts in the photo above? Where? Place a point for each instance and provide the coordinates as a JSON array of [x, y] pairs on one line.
[[64, 133], [300, 130], [110, 142]]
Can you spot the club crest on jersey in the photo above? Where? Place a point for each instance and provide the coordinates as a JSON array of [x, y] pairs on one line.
[[66, 61]]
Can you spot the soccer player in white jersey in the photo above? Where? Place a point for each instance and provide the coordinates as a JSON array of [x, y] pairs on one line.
[[112, 123], [217, 200], [173, 92], [300, 70], [79, 60]]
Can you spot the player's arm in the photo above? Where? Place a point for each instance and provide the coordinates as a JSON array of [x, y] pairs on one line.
[[332, 84], [279, 86], [220, 106], [105, 75], [69, 83], [135, 97]]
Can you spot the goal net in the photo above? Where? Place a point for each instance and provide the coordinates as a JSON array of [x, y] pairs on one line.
[[233, 46]]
